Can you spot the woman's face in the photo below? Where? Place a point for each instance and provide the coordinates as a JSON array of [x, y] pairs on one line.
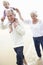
[[33, 16]]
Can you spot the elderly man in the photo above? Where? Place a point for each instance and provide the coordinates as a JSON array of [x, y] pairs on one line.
[[18, 31]]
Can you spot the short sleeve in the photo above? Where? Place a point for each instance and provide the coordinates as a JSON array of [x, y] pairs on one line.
[[4, 13]]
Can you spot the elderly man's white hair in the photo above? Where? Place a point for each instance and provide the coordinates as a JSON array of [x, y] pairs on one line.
[[10, 11]]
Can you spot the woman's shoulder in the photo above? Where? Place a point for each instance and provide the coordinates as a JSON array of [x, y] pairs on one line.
[[40, 21]]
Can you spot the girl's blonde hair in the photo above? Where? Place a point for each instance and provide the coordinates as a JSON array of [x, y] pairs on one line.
[[5, 2]]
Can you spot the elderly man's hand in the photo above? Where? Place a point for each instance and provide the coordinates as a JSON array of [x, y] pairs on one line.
[[15, 24]]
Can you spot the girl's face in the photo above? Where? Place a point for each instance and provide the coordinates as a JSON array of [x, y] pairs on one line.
[[6, 4]]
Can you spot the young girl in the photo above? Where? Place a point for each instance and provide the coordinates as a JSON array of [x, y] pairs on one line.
[[7, 7]]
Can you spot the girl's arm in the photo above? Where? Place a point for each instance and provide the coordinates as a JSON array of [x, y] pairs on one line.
[[4, 15], [18, 13]]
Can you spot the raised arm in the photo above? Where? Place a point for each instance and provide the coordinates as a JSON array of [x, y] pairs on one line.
[[17, 10]]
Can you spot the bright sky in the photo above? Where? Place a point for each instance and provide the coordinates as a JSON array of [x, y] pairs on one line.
[[25, 7]]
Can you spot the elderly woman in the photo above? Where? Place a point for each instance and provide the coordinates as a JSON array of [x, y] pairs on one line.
[[36, 26]]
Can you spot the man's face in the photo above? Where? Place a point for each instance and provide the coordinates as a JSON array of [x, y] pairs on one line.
[[10, 16]]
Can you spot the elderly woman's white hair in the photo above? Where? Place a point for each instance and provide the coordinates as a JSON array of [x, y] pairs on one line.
[[33, 13]]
